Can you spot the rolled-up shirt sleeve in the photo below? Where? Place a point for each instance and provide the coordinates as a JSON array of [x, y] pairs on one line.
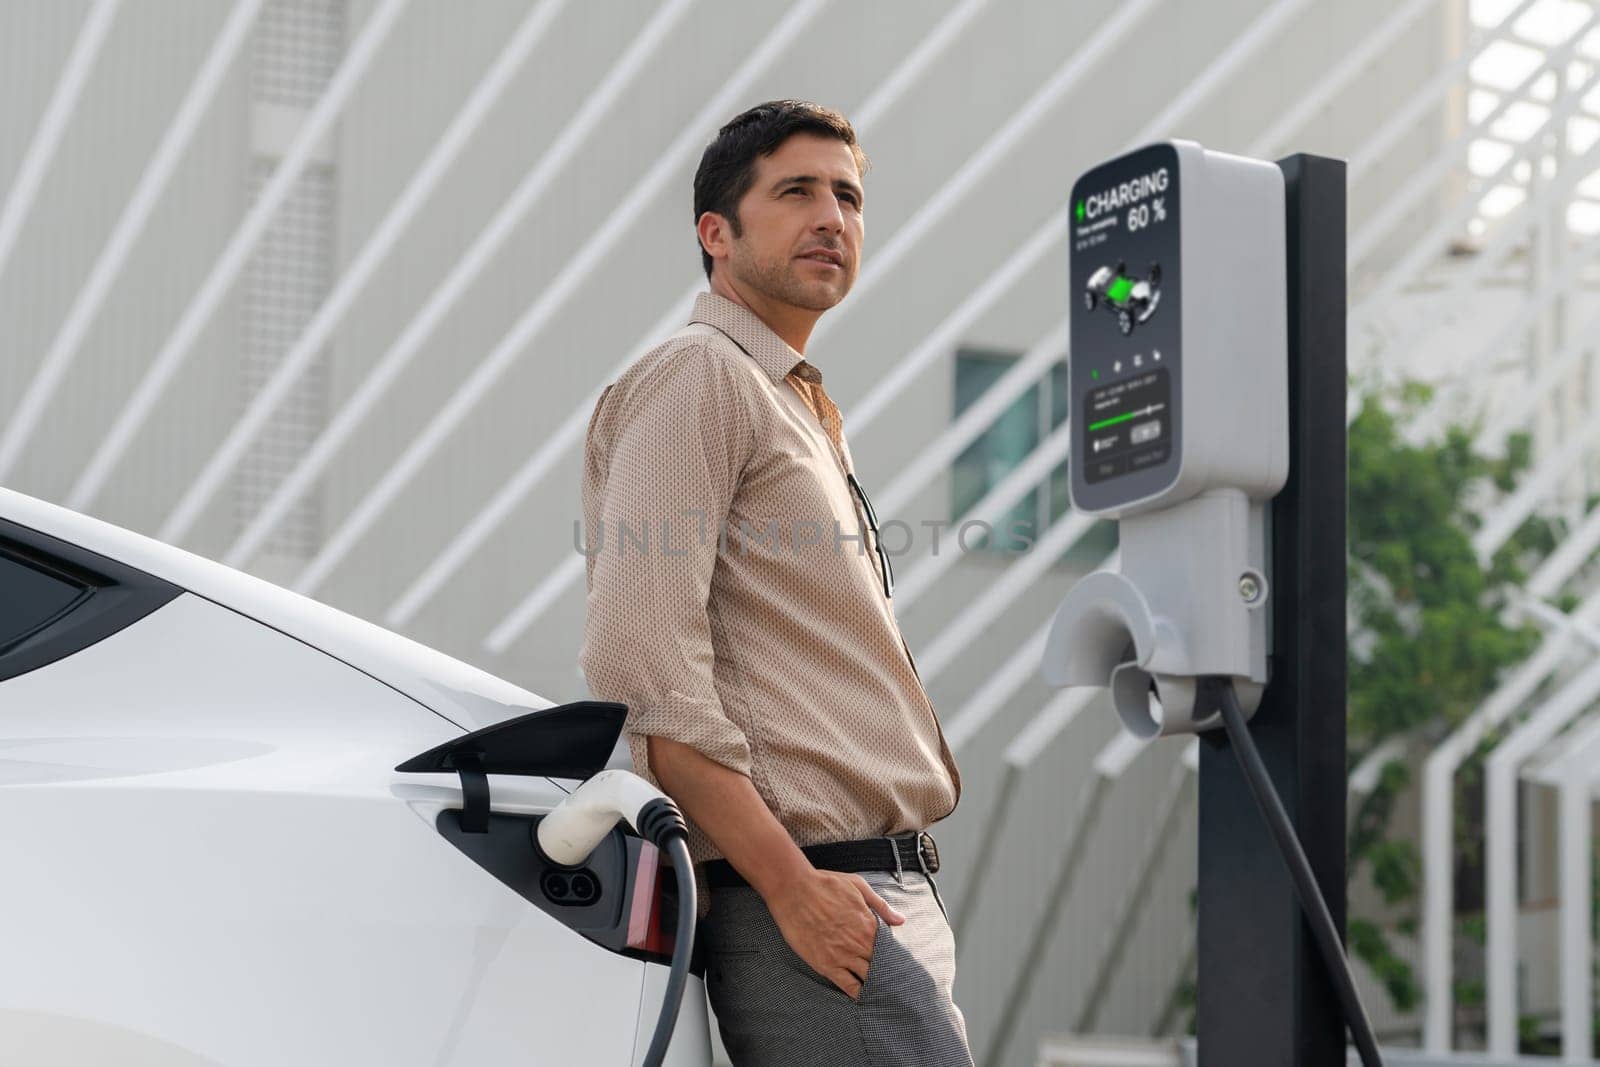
[[663, 462]]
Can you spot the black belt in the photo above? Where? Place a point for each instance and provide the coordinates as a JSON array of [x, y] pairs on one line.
[[909, 852]]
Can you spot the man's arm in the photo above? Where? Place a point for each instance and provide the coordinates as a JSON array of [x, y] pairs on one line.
[[825, 916]]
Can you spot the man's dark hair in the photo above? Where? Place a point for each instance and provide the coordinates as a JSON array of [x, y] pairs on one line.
[[728, 165]]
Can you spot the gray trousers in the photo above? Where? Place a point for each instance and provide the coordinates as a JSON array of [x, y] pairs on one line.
[[773, 1009]]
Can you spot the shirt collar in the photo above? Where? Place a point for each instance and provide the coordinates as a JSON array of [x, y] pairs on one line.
[[771, 352]]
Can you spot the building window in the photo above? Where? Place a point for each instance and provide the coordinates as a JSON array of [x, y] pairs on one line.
[[1006, 444]]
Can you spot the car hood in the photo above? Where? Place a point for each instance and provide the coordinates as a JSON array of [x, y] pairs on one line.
[[469, 697]]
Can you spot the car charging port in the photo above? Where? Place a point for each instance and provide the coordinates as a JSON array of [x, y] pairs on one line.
[[568, 886], [573, 889], [585, 889], [557, 887]]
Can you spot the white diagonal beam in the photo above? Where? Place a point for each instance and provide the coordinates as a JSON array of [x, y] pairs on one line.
[[991, 154], [1511, 35], [1004, 683], [1377, 144], [1334, 81], [477, 384], [1032, 472], [946, 32], [1445, 160], [1059, 713], [1503, 521], [1018, 577], [997, 687], [225, 271], [1025, 372], [1548, 578], [1508, 412], [125, 234], [462, 275], [935, 457], [1432, 243], [556, 581], [1551, 618], [1364, 779], [1067, 531], [353, 282], [1022, 985], [1017, 265], [1430, 95], [1048, 724], [1464, 286], [465, 544], [1573, 752], [1129, 906], [967, 178], [1267, 26], [41, 151]]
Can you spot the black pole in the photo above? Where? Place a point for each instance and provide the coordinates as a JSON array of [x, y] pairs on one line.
[[1264, 996]]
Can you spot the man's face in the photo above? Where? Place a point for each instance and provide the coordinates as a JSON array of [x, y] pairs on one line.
[[802, 224]]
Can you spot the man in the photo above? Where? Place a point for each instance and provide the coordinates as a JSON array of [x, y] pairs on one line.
[[740, 605]]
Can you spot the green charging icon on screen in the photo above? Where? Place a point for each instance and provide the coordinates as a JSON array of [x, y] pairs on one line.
[[1131, 300]]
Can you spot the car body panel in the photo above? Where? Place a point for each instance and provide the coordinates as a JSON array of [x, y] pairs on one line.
[[217, 855], [215, 862], [466, 695]]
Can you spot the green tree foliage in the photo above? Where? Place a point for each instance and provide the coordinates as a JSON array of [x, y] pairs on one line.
[[1429, 636]]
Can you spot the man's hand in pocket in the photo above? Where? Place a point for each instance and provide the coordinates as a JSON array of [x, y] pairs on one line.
[[827, 918]]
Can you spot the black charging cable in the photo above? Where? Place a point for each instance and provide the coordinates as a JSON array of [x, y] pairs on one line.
[[661, 823], [1294, 857]]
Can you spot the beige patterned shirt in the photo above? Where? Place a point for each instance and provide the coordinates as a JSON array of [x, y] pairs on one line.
[[735, 600]]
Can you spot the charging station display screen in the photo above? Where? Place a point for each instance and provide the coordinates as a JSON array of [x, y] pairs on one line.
[[1130, 426], [1127, 355]]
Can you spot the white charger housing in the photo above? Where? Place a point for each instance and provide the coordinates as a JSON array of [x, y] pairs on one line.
[[1178, 376]]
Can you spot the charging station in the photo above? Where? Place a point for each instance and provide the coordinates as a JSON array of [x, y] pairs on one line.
[[1207, 377], [1180, 398]]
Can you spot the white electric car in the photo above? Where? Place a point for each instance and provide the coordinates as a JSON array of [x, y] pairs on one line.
[[242, 828]]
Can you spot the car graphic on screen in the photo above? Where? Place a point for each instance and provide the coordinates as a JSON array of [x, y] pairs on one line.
[[1132, 300]]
